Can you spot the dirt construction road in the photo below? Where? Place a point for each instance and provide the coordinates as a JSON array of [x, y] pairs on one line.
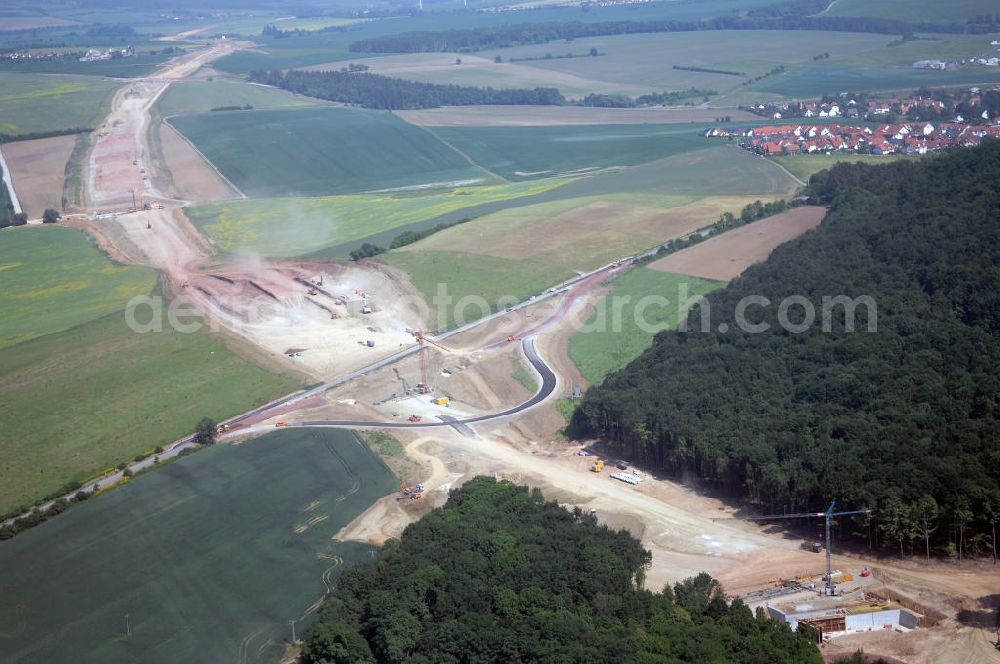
[[118, 170]]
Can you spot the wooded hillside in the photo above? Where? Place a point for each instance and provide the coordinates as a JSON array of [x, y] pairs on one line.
[[904, 419], [500, 575]]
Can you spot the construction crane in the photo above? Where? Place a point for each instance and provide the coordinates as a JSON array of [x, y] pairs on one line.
[[828, 515], [424, 387]]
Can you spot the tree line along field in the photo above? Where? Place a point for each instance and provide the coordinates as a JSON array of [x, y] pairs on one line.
[[55, 278], [209, 556], [319, 151], [289, 227], [31, 103]]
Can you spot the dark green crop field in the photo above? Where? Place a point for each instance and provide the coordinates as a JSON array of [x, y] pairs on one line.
[[207, 558], [520, 152], [318, 151]]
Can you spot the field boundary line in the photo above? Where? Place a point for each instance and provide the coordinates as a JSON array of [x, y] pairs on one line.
[[201, 154], [460, 152], [790, 174]]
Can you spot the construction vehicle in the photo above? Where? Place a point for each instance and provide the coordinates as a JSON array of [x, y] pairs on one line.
[[365, 307], [412, 493], [597, 467], [222, 428], [415, 418], [441, 401]]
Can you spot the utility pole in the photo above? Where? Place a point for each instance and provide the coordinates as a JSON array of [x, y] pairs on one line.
[[128, 628], [292, 623]]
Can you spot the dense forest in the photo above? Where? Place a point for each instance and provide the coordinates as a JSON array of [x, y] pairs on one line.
[[500, 575], [384, 92], [903, 419], [476, 39]]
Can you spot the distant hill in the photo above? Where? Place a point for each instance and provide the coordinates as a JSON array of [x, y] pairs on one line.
[[500, 575], [903, 419]]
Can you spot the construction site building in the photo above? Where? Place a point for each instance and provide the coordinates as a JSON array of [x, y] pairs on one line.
[[848, 614]]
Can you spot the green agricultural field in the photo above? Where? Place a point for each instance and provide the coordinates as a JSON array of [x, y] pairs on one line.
[[813, 81], [140, 65], [317, 48], [35, 103], [904, 53], [805, 166], [318, 151], [478, 285], [55, 278], [81, 401], [520, 251], [914, 11], [477, 70], [645, 61], [524, 152], [209, 556], [288, 227], [201, 96], [625, 321], [722, 170], [508, 256]]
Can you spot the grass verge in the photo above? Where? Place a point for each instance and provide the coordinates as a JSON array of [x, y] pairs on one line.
[[626, 320], [81, 401]]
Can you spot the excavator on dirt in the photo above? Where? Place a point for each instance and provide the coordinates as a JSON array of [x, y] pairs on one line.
[[413, 493]]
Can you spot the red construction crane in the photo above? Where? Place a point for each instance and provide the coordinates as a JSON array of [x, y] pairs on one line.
[[424, 386]]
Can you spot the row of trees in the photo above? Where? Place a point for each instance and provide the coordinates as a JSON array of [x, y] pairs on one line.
[[500, 575], [49, 216], [727, 221], [360, 88], [73, 493], [383, 92], [889, 404], [476, 39]]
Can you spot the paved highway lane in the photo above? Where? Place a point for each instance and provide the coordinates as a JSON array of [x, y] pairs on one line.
[[549, 384]]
